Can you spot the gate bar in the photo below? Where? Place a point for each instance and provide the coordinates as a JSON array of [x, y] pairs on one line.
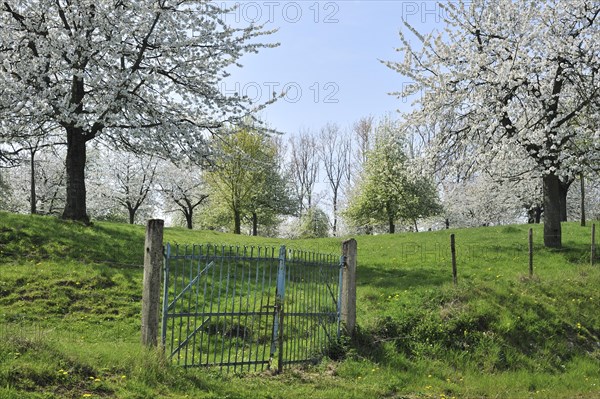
[[165, 310], [340, 289], [278, 319]]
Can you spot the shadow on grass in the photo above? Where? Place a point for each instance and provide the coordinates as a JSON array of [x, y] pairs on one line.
[[574, 253], [384, 277], [44, 237], [121, 245]]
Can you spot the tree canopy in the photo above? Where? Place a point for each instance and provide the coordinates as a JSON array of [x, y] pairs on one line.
[[510, 77], [141, 74], [387, 191], [246, 179]]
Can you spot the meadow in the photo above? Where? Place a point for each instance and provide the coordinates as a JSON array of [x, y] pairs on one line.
[[70, 302]]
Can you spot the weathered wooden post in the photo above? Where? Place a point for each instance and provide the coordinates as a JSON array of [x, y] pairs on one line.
[[153, 261], [593, 255], [453, 251], [348, 309], [530, 252]]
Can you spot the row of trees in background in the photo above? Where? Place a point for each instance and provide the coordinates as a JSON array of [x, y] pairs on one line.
[[369, 178], [251, 179]]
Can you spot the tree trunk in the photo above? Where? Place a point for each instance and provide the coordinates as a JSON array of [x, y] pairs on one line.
[[564, 190], [538, 214], [552, 211], [563, 206], [531, 216], [534, 215], [55, 195], [32, 193], [254, 224], [75, 206], [416, 226], [334, 227], [390, 215], [582, 200], [131, 211], [189, 215], [237, 222]]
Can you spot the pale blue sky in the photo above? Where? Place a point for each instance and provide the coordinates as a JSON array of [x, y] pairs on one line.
[[327, 58]]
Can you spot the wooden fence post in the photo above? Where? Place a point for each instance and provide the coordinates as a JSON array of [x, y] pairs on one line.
[[593, 255], [530, 252], [453, 251], [348, 310], [153, 261]]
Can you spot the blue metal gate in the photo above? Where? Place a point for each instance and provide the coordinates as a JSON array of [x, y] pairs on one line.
[[249, 308]]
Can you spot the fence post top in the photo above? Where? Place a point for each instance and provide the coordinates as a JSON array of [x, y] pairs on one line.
[[351, 242]]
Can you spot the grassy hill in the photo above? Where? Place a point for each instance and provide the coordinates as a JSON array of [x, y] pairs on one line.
[[70, 305]]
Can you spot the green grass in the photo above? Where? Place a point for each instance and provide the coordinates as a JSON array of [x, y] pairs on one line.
[[70, 304]]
